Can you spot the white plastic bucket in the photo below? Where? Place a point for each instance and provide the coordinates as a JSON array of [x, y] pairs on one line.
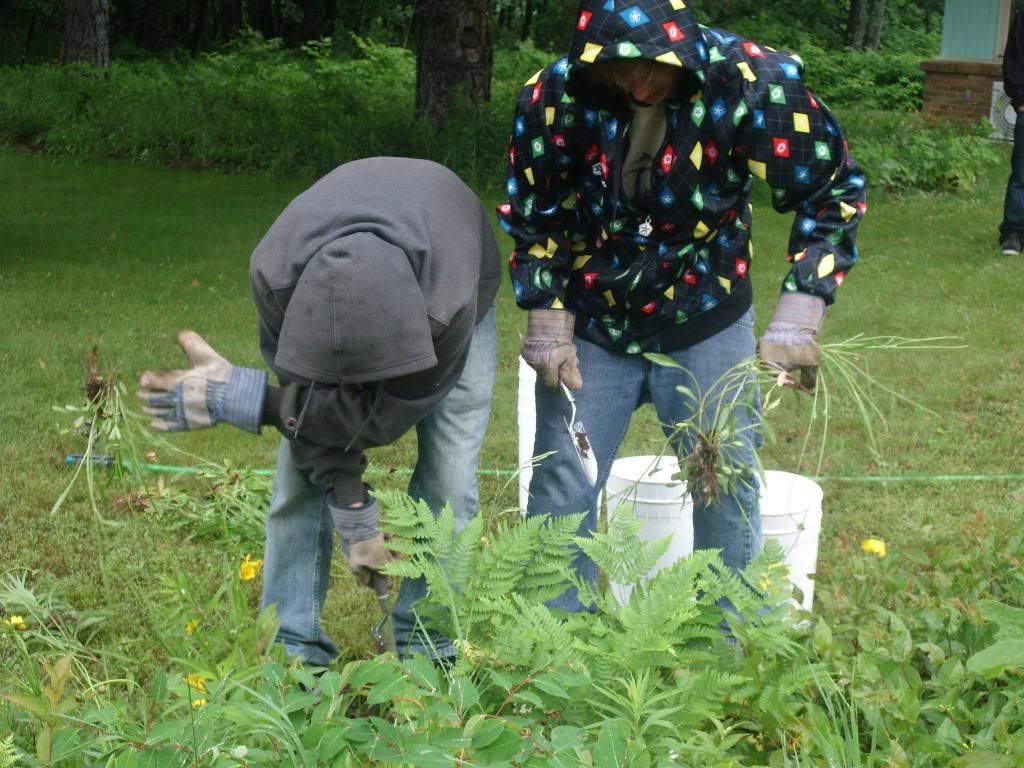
[[645, 484], [790, 515], [527, 412]]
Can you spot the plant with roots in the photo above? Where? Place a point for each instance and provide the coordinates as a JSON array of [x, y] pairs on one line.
[[725, 420], [104, 419]]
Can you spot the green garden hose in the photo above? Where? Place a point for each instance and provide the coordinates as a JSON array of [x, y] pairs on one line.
[[76, 458]]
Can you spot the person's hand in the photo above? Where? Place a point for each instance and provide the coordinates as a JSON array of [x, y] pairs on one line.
[[790, 343], [365, 549], [209, 392], [549, 348]]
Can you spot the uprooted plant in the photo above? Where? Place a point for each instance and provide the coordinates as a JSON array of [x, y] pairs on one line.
[[726, 416]]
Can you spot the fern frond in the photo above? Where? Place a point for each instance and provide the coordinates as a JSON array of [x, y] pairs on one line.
[[410, 522], [522, 629], [620, 552], [533, 557], [466, 546], [8, 754], [777, 694]]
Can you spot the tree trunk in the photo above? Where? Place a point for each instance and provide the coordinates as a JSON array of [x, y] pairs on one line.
[[876, 20], [198, 27], [453, 56], [855, 24], [262, 15], [87, 34], [229, 20], [28, 37], [527, 20]]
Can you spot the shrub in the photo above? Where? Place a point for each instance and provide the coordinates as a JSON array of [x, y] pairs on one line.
[[258, 108], [907, 151]]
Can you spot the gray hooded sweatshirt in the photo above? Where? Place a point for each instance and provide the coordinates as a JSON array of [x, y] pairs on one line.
[[368, 288]]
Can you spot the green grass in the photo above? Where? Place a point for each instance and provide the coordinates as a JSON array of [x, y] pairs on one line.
[[121, 257]]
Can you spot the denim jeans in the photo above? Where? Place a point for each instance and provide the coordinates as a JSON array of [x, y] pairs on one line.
[[297, 559], [614, 386], [1013, 205]]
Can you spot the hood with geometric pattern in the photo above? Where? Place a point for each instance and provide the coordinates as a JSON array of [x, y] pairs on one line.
[[661, 30]]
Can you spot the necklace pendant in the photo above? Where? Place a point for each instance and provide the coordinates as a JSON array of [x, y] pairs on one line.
[[646, 228]]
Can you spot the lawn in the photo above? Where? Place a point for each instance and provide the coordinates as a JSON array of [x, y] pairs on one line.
[[120, 257]]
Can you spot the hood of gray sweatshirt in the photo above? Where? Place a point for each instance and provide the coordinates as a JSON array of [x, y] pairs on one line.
[[363, 271]]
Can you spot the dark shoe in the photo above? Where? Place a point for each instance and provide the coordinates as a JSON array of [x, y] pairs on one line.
[[1011, 245]]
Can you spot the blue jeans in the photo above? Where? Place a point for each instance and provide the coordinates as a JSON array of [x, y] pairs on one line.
[[1013, 205], [297, 559], [614, 386]]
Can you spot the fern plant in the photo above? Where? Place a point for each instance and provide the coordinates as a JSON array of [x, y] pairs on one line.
[[633, 676], [8, 754]]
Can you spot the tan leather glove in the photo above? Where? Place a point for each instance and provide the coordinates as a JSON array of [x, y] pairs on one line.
[[549, 348], [790, 343], [367, 558], [365, 549]]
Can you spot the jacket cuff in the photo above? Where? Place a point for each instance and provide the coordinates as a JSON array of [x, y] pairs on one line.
[[355, 523], [798, 310], [244, 397]]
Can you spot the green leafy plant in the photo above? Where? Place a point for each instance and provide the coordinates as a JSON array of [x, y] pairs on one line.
[[8, 754], [714, 433]]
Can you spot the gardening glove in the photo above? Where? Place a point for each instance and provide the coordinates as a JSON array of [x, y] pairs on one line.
[[790, 342], [210, 392], [361, 541], [549, 348]]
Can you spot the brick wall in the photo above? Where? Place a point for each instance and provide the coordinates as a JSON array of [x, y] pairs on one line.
[[959, 89]]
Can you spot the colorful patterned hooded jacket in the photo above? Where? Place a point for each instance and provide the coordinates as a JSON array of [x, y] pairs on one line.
[[669, 271]]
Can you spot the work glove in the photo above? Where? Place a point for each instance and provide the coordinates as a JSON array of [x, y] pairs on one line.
[[789, 344], [549, 348], [210, 392], [361, 541]]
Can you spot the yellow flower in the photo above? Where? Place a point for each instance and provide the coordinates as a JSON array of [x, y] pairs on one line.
[[191, 626], [16, 622], [197, 703], [196, 682], [249, 569], [873, 546]]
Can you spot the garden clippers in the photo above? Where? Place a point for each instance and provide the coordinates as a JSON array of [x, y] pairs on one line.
[[384, 632], [580, 440]]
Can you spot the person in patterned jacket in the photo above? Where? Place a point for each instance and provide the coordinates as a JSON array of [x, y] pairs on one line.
[[630, 174]]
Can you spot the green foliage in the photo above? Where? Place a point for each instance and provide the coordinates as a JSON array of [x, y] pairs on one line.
[[1008, 650], [8, 754], [226, 504], [903, 152], [255, 108], [887, 80], [258, 107], [923, 670]]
